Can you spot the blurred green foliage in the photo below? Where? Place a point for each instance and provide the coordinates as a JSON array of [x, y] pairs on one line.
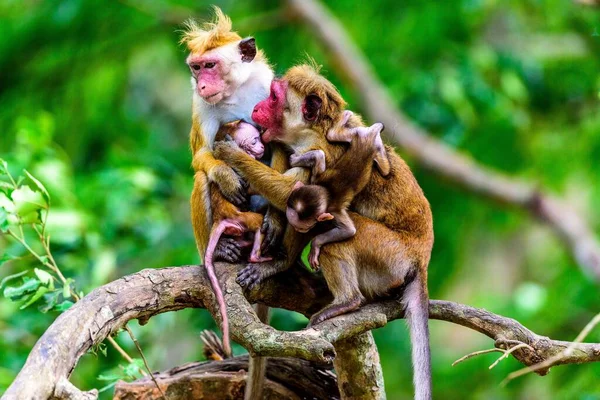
[[95, 102]]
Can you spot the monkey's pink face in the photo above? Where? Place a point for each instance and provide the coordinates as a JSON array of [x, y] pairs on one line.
[[219, 72], [269, 112], [248, 138], [285, 113], [208, 72]]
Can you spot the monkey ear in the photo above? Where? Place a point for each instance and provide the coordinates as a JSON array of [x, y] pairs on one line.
[[298, 185], [378, 127], [324, 217], [311, 107], [346, 117], [248, 49]]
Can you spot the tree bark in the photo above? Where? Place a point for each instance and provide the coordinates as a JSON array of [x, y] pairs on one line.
[[286, 378], [149, 292]]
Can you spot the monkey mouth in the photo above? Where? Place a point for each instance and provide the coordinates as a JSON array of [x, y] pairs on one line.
[[267, 136]]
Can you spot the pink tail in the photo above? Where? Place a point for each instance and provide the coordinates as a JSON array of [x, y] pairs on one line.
[[214, 282]]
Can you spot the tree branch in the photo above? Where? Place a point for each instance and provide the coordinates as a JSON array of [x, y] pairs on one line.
[[435, 155], [153, 291]]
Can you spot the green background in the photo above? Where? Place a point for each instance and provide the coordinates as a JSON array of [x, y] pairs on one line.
[[95, 101]]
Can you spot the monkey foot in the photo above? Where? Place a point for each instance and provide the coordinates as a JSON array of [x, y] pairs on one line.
[[333, 310], [250, 276], [258, 259]]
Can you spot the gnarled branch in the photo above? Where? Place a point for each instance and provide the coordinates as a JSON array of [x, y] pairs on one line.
[[153, 291], [433, 154]]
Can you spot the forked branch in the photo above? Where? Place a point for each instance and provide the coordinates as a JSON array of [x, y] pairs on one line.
[[153, 291]]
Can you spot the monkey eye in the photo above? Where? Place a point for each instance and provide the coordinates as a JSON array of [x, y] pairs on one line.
[[209, 65], [195, 67]]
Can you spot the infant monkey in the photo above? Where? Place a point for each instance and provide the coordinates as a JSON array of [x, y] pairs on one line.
[[230, 220], [333, 187]]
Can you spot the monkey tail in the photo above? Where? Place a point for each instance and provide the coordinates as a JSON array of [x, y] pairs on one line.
[[416, 303], [214, 283]]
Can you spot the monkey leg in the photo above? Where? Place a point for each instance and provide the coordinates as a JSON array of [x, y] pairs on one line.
[[253, 274], [201, 211], [343, 230], [340, 272], [255, 255]]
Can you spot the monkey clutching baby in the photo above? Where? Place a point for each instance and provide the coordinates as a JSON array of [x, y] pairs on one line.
[[229, 76], [333, 187], [390, 251], [230, 220]]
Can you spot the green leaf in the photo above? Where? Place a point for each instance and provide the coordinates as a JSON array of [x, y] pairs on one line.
[[6, 185], [42, 290], [6, 203], [132, 369], [3, 220], [43, 276], [4, 169], [110, 376], [30, 218], [27, 201], [39, 186], [50, 300], [10, 277], [7, 257], [15, 293], [67, 288], [64, 306]]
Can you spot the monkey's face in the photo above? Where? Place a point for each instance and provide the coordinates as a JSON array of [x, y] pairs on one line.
[[306, 206], [248, 138], [216, 74], [285, 114], [269, 112]]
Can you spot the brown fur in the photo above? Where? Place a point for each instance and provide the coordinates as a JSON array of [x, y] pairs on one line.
[[393, 242]]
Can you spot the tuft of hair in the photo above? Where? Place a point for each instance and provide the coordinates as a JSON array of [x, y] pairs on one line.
[[200, 39], [306, 79]]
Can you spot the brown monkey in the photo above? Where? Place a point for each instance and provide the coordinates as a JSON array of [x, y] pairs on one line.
[[229, 76], [334, 187], [302, 108], [229, 220]]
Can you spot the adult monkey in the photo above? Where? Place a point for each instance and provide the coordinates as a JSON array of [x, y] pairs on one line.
[[229, 76], [302, 107]]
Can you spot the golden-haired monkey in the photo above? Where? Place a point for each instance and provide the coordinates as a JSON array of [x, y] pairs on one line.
[[390, 251], [229, 76]]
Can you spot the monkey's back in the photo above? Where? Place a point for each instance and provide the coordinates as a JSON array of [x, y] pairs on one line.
[[349, 175], [397, 201]]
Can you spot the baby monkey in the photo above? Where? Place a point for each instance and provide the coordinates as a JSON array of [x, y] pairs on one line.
[[230, 220], [333, 187]]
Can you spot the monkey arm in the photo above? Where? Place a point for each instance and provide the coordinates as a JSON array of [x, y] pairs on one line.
[[220, 173], [269, 183], [314, 159]]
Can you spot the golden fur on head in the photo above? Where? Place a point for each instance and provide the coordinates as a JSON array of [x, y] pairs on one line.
[[305, 79], [200, 39]]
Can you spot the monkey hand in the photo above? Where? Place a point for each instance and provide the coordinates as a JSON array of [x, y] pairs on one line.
[[229, 250], [272, 230], [230, 184], [226, 149], [313, 257]]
